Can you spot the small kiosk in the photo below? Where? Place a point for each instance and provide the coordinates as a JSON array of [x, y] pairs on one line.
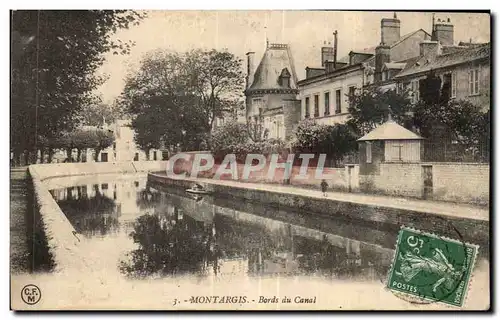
[[388, 143]]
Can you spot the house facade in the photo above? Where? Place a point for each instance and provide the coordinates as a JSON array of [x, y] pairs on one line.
[[325, 92], [124, 148], [464, 74]]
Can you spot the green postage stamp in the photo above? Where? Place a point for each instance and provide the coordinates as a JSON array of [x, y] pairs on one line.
[[431, 268]]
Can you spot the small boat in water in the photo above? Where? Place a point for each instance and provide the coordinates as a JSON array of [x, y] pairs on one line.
[[197, 189]]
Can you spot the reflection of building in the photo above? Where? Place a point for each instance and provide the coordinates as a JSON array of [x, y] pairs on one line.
[[119, 197]]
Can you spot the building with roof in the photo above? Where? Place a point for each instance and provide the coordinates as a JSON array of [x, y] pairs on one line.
[[389, 142], [464, 73], [271, 91], [325, 92]]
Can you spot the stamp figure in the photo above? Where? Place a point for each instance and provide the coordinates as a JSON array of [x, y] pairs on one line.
[[432, 268]]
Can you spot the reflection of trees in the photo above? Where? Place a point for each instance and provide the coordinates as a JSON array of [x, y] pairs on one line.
[[236, 238], [89, 215], [324, 257], [148, 198], [167, 247]]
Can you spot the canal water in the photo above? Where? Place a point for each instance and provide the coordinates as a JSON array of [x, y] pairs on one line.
[[136, 232]]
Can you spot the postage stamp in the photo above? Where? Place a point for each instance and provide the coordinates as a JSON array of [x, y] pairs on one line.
[[432, 268]]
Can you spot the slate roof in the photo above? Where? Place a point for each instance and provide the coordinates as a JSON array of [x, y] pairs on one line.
[[276, 58], [390, 130], [371, 50], [446, 60]]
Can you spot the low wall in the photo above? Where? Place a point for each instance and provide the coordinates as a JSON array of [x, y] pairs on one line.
[[85, 168], [396, 179], [461, 182], [477, 230], [62, 239], [456, 182]]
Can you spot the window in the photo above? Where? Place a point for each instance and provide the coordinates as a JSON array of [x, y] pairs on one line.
[[352, 92], [307, 107], [338, 101], [368, 152], [415, 94], [473, 82], [327, 103], [398, 152], [104, 157], [154, 156], [453, 85], [316, 105], [136, 156]]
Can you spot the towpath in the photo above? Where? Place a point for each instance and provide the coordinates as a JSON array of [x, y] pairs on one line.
[[436, 207]]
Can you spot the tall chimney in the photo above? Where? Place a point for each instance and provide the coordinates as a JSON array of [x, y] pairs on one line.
[[390, 30], [326, 54], [443, 31], [335, 49], [430, 49], [250, 68], [382, 55]]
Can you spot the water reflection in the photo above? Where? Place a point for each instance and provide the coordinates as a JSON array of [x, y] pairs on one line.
[[92, 213], [167, 233], [167, 246]]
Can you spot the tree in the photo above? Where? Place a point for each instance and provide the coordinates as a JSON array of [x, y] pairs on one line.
[[430, 89], [98, 113], [256, 130], [457, 120], [83, 139], [340, 140], [218, 79], [228, 135], [335, 141], [308, 136], [370, 107], [178, 96], [458, 123], [54, 59]]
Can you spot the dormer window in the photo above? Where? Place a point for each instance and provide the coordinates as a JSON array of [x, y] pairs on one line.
[[284, 79]]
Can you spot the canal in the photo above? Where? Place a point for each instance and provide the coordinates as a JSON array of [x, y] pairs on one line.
[[137, 231]]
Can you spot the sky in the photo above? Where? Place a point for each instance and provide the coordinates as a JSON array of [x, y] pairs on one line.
[[242, 31]]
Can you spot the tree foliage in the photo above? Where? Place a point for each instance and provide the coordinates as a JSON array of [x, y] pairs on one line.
[[457, 120], [430, 89], [54, 59], [335, 141], [370, 108], [175, 98], [83, 139], [228, 135]]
